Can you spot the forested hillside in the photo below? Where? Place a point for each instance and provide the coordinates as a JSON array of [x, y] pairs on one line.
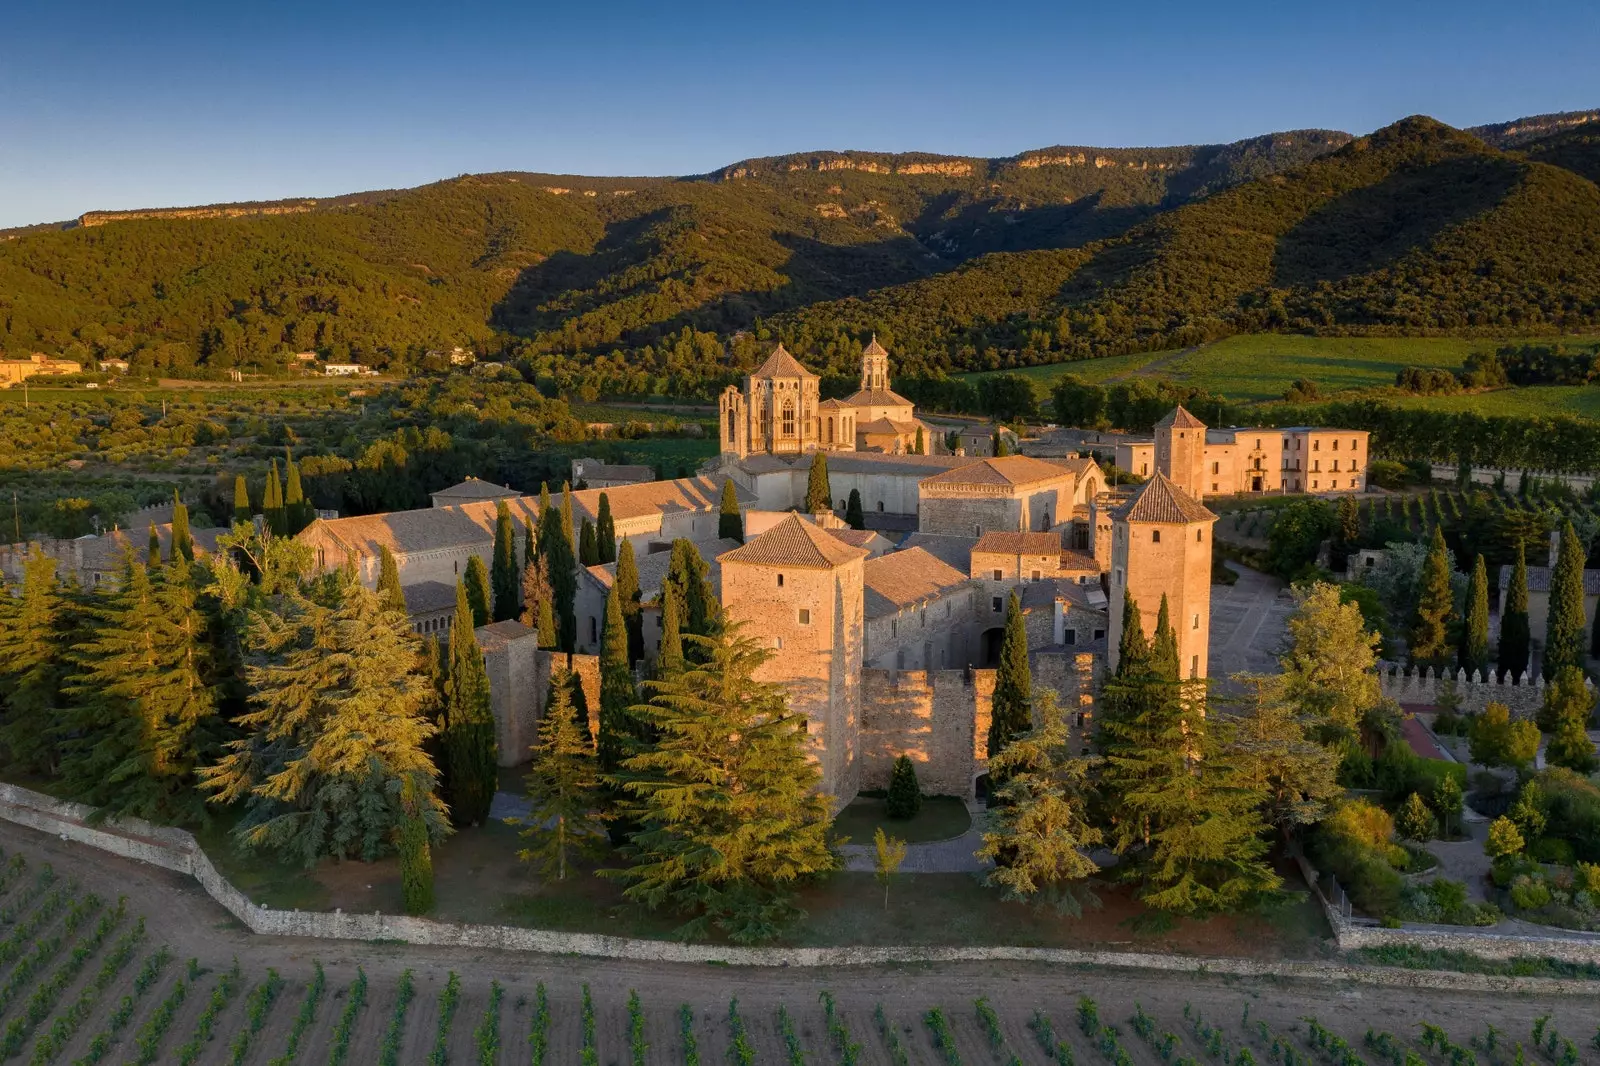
[[629, 286]]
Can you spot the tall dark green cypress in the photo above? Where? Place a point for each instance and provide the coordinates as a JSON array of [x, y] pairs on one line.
[[730, 523], [32, 668], [819, 494], [1133, 648], [390, 593], [669, 657], [182, 540], [503, 575], [628, 595], [416, 855], [618, 731], [153, 547], [478, 592], [1011, 709], [1564, 632], [688, 573], [1430, 631], [1002, 446], [1164, 648], [605, 531], [1514, 640], [561, 570], [568, 528], [854, 516], [469, 739], [272, 511], [1474, 652], [588, 547], [296, 511], [241, 500]]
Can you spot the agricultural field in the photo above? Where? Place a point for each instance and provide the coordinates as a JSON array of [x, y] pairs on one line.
[[87, 980], [1261, 366], [1532, 401]]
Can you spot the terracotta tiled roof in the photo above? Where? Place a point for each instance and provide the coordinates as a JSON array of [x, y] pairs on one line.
[[832, 405], [1160, 500], [858, 538], [1019, 543], [1075, 560], [1080, 466], [796, 543], [107, 551], [950, 550], [780, 364], [620, 472], [654, 497], [423, 529], [473, 489], [427, 597], [1539, 579], [1180, 418], [1007, 470], [653, 568], [886, 425], [906, 577], [497, 635], [873, 347], [877, 398]]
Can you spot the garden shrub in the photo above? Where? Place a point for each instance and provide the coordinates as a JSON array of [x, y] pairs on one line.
[[1357, 844], [1572, 811]]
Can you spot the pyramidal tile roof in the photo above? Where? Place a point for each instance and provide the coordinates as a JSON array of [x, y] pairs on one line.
[[873, 347], [1161, 500], [795, 542], [780, 364], [1180, 418]]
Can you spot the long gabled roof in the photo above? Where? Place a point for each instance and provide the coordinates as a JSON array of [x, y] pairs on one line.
[[797, 543], [780, 364], [1006, 470], [904, 578], [999, 543], [1180, 418], [1161, 500]]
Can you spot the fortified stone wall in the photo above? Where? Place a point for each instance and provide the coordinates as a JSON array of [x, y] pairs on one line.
[[1475, 691], [967, 516], [939, 718]]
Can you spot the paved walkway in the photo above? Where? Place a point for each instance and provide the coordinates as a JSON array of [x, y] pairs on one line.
[[955, 856], [1249, 621]]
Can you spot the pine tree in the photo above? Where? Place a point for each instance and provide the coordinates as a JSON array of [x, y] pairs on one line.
[[1564, 643], [562, 792], [241, 500], [478, 594], [182, 540], [1430, 630], [605, 532], [32, 668], [669, 658], [334, 731], [618, 730], [297, 512], [1011, 707], [272, 509], [416, 854], [469, 731], [731, 816], [588, 548], [390, 594], [905, 795], [153, 548], [143, 712], [1474, 653], [503, 575], [628, 595], [1040, 830], [1514, 639], [854, 516], [730, 523], [819, 494]]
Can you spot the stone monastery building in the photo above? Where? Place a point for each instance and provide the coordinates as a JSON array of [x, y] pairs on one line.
[[885, 638]]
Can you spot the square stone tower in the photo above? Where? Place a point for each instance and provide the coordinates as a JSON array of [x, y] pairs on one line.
[[798, 590], [1161, 546], [1181, 450]]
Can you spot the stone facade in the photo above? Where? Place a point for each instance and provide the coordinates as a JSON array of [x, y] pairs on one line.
[[1524, 696], [939, 718], [510, 657], [1242, 461], [1161, 549], [1013, 494]]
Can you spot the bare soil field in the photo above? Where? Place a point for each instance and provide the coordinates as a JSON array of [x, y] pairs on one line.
[[1212, 1020]]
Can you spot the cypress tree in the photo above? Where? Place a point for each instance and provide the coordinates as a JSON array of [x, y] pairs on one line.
[[669, 658], [819, 494], [296, 511], [1002, 447], [731, 816], [1564, 643], [560, 561], [1573, 704], [390, 594], [617, 695], [730, 523], [1430, 630], [628, 595], [905, 795], [503, 576], [152, 554], [143, 710], [469, 740], [335, 730], [562, 791], [182, 541], [1164, 648], [854, 516], [568, 529], [588, 549], [32, 668], [476, 584], [272, 511], [1474, 653], [241, 500], [605, 532], [1133, 649], [416, 855], [688, 573], [530, 542], [920, 448], [1011, 708], [1514, 640]]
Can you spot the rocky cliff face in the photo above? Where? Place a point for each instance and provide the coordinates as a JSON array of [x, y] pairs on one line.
[[100, 218]]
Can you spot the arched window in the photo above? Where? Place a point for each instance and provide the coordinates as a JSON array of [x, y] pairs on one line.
[[1155, 536], [830, 430], [731, 428], [788, 418]]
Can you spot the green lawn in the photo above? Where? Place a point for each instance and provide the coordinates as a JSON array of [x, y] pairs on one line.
[[1109, 369], [941, 818]]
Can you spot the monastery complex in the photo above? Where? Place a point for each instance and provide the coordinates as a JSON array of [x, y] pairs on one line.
[[884, 637]]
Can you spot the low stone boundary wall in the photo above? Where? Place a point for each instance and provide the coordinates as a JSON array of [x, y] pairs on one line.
[[177, 850], [1476, 691]]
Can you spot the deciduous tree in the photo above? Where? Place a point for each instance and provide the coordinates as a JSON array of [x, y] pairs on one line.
[[1497, 740], [1330, 665], [889, 854]]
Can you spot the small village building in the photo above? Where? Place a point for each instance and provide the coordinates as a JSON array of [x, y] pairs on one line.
[[471, 491]]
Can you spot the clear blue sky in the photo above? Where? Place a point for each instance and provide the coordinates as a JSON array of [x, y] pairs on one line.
[[121, 105]]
